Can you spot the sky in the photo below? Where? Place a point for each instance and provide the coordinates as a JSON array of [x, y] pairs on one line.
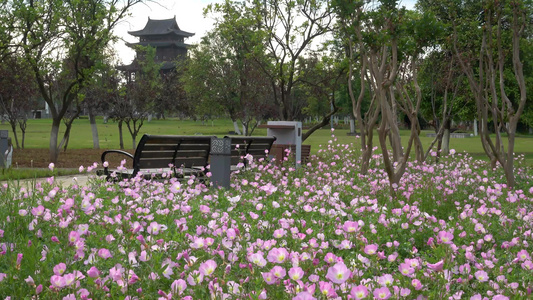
[[189, 15]]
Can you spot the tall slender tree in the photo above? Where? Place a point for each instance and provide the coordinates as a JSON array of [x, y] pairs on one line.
[[487, 38], [51, 32]]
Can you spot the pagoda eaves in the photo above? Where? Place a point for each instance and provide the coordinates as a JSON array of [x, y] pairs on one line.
[[161, 27]]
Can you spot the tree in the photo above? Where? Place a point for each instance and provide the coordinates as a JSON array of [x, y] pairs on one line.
[[140, 93], [446, 97], [224, 71], [291, 28], [99, 95], [17, 94], [389, 42], [487, 38], [322, 77], [51, 32], [172, 98]]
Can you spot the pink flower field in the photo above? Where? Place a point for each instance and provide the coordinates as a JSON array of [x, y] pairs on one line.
[[450, 230]]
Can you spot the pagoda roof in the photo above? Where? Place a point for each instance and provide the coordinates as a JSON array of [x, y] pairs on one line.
[[161, 27], [159, 44]]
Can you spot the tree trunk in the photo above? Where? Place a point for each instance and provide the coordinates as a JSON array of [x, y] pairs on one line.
[[14, 128], [121, 136], [94, 129], [66, 137], [23, 138], [22, 125], [133, 140], [509, 166], [54, 135], [446, 139]]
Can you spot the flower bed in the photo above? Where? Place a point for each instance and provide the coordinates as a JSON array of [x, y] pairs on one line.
[[319, 232]]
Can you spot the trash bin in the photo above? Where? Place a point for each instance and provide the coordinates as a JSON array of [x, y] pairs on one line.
[[220, 162]]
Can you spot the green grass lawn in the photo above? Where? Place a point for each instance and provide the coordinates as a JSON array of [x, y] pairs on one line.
[[38, 134]]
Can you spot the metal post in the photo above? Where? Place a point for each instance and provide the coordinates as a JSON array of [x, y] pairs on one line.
[[3, 148], [220, 162]]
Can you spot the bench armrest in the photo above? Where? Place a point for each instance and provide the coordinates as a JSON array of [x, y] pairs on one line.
[[106, 169]]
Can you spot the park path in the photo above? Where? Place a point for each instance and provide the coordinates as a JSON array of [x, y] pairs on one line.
[[80, 180]]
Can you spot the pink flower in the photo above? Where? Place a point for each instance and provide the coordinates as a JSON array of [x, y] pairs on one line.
[[73, 237], [178, 286], [69, 279], [326, 289], [382, 293], [416, 284], [277, 255], [279, 233], [93, 272], [436, 267], [278, 271], [527, 265], [167, 272], [258, 259], [57, 281], [350, 226], [19, 259], [404, 292], [231, 234], [269, 277], [385, 280], [176, 187], [207, 268], [116, 273], [195, 278], [104, 253], [304, 296], [330, 258], [445, 237], [359, 292], [338, 273], [204, 209], [523, 255], [482, 276], [132, 277], [371, 249], [406, 269], [154, 228], [59, 269], [37, 211], [296, 273]]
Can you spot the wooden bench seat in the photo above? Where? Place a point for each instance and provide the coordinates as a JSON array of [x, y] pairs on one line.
[[256, 146], [182, 155]]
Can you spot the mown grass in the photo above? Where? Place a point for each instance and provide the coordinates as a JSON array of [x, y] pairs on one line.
[[38, 135]]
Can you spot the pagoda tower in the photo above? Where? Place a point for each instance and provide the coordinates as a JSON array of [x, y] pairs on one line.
[[168, 40]]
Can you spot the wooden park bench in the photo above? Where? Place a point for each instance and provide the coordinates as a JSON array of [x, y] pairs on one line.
[[256, 146], [182, 155]]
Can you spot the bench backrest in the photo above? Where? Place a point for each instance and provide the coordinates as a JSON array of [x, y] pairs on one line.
[[158, 151], [253, 145]]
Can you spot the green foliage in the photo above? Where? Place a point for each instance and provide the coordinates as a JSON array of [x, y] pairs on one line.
[[225, 71]]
